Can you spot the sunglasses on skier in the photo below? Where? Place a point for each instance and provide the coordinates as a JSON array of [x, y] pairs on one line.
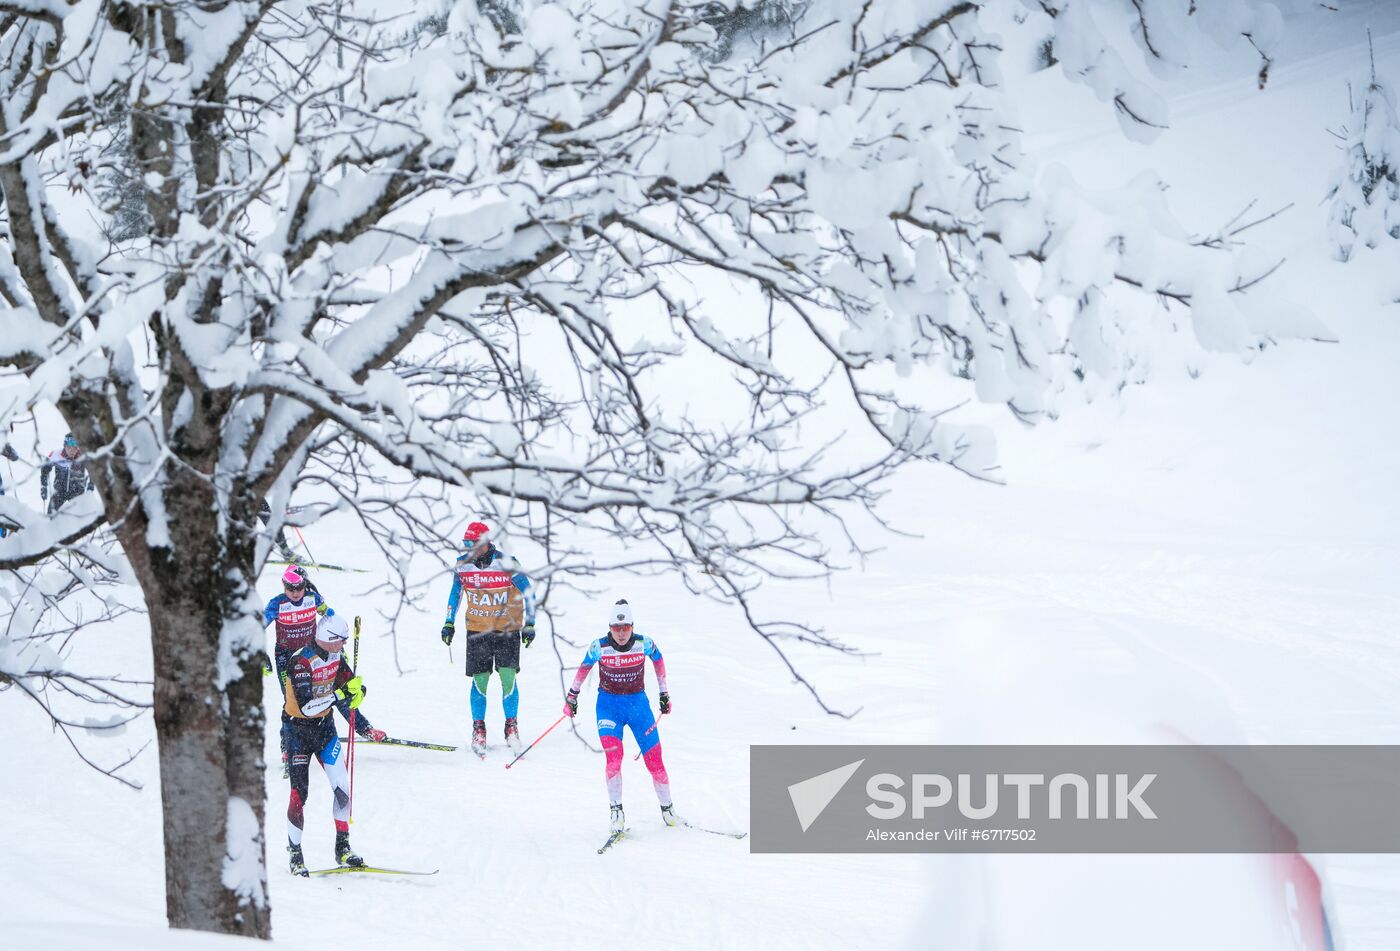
[[620, 627], [294, 587]]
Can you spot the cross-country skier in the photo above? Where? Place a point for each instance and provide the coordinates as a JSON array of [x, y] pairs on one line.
[[319, 677], [500, 617], [295, 613], [622, 702], [9, 453], [70, 476]]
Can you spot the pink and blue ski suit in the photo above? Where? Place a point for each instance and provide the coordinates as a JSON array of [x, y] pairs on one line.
[[623, 702]]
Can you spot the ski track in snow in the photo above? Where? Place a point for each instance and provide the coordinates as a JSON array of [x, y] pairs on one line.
[[1218, 558]]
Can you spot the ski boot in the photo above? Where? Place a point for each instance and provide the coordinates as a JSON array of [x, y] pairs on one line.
[[343, 853], [296, 863], [615, 817], [512, 734], [479, 737], [669, 816]]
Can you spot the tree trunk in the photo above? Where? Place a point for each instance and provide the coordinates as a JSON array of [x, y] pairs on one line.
[[209, 718]]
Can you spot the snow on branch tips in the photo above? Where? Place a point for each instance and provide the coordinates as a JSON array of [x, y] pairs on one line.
[[497, 248], [45, 610], [493, 245]]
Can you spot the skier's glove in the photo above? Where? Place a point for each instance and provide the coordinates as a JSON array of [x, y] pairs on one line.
[[354, 691], [378, 736], [665, 699], [527, 636], [571, 703], [449, 631]]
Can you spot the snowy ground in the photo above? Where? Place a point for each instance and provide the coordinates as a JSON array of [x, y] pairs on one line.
[[1215, 554]]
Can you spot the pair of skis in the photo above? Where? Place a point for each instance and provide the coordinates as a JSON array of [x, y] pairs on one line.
[[373, 869], [419, 744], [395, 741], [366, 869], [620, 834]]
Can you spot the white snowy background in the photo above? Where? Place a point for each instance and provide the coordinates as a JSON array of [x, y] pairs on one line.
[[1215, 552]]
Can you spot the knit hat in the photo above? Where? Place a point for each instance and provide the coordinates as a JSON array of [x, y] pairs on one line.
[[332, 631], [620, 613]]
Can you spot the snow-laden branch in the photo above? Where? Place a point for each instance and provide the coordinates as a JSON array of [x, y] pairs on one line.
[[34, 537], [574, 191]]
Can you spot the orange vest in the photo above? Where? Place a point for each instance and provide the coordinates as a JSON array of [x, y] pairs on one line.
[[491, 599], [323, 676]]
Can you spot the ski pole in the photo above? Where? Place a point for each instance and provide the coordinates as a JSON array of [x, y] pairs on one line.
[[537, 739], [303, 543], [354, 664], [644, 736]]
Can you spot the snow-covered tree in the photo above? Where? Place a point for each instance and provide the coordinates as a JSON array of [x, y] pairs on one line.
[[658, 284], [1365, 192], [48, 605]]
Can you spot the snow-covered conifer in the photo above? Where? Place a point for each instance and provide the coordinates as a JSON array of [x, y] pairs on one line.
[[1365, 193]]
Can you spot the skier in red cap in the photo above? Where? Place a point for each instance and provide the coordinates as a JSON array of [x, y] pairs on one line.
[[500, 610]]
